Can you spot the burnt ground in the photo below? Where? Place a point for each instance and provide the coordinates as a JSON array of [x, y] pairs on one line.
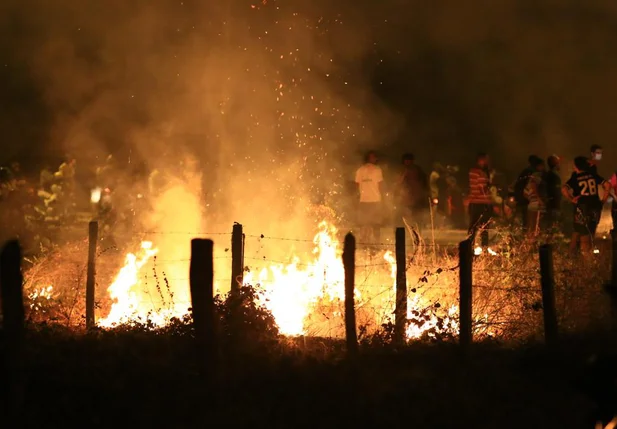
[[139, 378]]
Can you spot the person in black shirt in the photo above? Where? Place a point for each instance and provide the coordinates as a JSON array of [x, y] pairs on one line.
[[522, 204], [553, 193], [582, 191]]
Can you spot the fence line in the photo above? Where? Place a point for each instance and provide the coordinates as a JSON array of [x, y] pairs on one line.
[[414, 286]]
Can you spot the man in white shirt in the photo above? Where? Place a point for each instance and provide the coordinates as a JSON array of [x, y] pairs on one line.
[[369, 179]]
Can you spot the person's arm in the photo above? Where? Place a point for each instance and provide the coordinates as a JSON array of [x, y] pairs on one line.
[[607, 190], [533, 183], [380, 182], [566, 191], [358, 179], [403, 176]]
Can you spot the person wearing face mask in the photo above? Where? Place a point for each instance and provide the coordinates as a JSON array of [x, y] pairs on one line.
[[596, 157], [582, 190], [592, 167]]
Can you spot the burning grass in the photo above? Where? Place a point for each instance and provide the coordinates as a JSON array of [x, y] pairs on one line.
[[305, 296]]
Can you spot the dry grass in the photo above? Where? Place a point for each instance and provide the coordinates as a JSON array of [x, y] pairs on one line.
[[507, 300]]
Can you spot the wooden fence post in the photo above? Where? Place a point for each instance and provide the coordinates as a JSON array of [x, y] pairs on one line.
[[237, 257], [548, 294], [465, 253], [93, 236], [400, 312], [11, 289], [201, 275], [349, 263]]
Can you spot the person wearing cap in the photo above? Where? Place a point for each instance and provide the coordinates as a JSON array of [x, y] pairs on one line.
[[553, 192]]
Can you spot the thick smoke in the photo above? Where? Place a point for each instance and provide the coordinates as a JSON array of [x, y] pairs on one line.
[[276, 99], [268, 97]]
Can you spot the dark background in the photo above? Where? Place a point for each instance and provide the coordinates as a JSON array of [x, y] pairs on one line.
[[509, 77]]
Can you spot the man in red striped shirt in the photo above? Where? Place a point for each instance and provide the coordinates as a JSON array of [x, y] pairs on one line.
[[480, 202]]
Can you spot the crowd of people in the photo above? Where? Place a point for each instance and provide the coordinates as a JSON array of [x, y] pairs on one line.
[[537, 201]]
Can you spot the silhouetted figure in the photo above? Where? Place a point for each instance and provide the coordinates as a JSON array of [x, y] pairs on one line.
[[412, 190], [522, 203], [535, 194], [553, 193], [439, 188], [480, 202], [582, 191]]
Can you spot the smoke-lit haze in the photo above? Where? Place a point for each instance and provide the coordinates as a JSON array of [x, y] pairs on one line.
[[278, 98], [259, 94]]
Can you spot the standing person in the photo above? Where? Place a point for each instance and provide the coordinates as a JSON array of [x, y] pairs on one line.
[[369, 180], [596, 157], [412, 187], [553, 193], [535, 193], [438, 189], [592, 166], [582, 191], [480, 202], [456, 203], [522, 203]]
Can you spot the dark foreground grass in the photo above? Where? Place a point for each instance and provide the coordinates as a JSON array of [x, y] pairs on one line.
[[132, 377]]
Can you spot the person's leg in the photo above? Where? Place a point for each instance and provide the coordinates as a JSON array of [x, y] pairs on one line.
[[485, 224], [474, 220], [531, 223], [523, 208], [362, 220], [586, 244]]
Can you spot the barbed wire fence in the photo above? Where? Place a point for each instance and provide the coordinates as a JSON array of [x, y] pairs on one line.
[[506, 299]]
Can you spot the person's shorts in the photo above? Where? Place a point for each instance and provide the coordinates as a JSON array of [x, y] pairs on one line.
[[586, 220], [370, 214]]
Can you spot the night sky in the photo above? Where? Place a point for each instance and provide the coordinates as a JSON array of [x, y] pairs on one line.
[[443, 80]]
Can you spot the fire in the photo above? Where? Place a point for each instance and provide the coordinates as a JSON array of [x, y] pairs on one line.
[[127, 290], [39, 295], [291, 292]]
